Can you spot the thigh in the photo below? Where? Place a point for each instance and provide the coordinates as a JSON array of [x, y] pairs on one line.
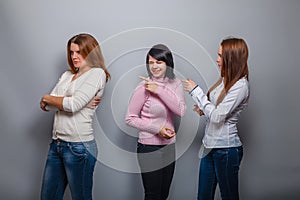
[[80, 160], [207, 178], [54, 178], [150, 157], [150, 161], [227, 162]]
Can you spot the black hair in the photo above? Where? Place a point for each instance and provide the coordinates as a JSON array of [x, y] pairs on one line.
[[161, 53]]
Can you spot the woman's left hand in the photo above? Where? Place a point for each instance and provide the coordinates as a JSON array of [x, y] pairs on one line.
[[189, 85], [167, 132], [94, 102], [198, 110], [150, 85]]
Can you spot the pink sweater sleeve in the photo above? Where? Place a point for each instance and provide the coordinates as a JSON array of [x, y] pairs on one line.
[[173, 97], [136, 104]]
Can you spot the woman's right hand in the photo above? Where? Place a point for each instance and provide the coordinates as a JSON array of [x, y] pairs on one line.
[[189, 85], [43, 105], [167, 132]]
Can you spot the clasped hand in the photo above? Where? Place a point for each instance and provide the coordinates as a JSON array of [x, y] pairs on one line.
[[167, 132]]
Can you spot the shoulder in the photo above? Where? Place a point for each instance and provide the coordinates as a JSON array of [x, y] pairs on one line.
[[175, 82], [97, 70], [241, 86], [243, 82], [67, 73], [140, 85]]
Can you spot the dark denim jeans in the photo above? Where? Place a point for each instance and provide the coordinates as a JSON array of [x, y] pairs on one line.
[[220, 166], [69, 163], [157, 163]]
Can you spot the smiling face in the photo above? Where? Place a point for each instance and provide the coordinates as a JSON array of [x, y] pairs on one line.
[[77, 58], [157, 68]]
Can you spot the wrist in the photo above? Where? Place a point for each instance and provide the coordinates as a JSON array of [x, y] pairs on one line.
[[193, 89]]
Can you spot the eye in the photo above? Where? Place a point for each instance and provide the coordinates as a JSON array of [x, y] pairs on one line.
[[151, 62], [160, 62]]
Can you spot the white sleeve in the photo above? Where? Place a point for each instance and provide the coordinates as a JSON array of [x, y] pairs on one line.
[[217, 114], [93, 84], [54, 92]]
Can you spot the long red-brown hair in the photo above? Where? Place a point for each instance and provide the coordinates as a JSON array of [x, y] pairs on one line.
[[90, 50], [234, 65]]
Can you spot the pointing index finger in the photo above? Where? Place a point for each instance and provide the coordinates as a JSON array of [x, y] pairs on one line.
[[184, 80], [144, 78]]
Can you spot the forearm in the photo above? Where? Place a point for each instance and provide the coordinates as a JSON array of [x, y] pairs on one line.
[[142, 124], [202, 101], [174, 100], [53, 101]]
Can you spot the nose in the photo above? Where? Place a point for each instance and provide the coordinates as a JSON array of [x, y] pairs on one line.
[[74, 55], [218, 60], [155, 65]]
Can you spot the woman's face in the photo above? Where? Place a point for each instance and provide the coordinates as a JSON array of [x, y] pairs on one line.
[[219, 59], [77, 58], [157, 68]]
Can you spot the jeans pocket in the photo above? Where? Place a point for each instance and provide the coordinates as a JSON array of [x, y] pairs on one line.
[[78, 149]]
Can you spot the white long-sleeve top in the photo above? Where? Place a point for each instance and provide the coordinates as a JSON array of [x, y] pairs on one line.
[[221, 130], [74, 124]]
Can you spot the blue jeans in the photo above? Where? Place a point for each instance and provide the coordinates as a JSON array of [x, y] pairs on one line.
[[69, 163], [157, 164], [220, 166]]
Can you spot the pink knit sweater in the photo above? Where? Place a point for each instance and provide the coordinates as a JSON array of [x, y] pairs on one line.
[[148, 112]]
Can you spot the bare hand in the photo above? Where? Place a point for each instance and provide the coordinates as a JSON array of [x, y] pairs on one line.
[[189, 85], [94, 102], [150, 85], [167, 132], [43, 105], [198, 110]]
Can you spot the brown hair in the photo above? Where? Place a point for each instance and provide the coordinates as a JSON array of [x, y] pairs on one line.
[[234, 65], [90, 51]]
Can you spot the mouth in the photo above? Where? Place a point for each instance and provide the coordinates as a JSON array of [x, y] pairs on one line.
[[75, 62], [156, 71]]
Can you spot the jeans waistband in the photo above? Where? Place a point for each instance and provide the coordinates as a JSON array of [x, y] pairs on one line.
[[60, 141]]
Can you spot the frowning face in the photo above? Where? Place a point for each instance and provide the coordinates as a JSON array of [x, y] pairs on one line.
[[77, 58], [219, 59]]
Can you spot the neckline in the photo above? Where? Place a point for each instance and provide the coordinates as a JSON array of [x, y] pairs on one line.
[[73, 77], [161, 80]]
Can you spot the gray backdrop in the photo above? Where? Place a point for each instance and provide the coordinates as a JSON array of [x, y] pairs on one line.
[[33, 37]]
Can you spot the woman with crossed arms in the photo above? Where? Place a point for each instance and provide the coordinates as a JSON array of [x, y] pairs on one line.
[[73, 151]]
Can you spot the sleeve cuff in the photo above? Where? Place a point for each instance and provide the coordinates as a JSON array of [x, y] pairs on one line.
[[196, 90], [67, 104], [193, 89]]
